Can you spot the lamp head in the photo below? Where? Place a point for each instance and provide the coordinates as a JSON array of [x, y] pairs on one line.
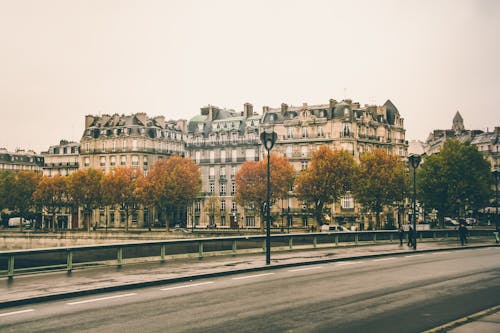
[[414, 160], [268, 139]]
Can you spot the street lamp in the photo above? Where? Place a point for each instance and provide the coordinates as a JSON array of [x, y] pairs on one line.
[[496, 175], [414, 160], [268, 139]]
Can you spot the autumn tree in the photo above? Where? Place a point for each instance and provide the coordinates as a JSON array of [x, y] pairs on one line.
[[121, 188], [85, 189], [382, 179], [171, 184], [329, 176], [52, 194], [213, 208], [251, 182], [23, 186], [6, 185], [454, 180]]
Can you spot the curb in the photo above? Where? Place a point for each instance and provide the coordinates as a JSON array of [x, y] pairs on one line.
[[71, 294], [463, 321]]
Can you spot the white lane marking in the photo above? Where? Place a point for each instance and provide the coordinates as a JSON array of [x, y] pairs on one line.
[[251, 276], [383, 259], [349, 263], [187, 285], [101, 299], [414, 255], [15, 312], [304, 269], [441, 252]]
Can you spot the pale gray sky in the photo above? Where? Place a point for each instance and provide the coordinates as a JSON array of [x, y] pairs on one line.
[[63, 59]]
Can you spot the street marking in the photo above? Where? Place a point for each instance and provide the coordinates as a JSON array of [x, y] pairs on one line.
[[15, 312], [383, 259], [441, 252], [414, 255], [101, 299], [251, 276], [187, 285], [304, 269], [349, 263]]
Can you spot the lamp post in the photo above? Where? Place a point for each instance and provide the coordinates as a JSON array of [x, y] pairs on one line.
[[268, 139], [496, 175], [414, 160]]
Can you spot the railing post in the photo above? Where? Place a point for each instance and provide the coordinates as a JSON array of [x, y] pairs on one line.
[[336, 240], [200, 249], [315, 242], [69, 260], [390, 238], [119, 256], [290, 243], [10, 266], [356, 239], [374, 237], [234, 246], [421, 235], [433, 234], [163, 250]]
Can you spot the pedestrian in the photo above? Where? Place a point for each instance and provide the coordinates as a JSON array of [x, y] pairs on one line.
[[462, 232], [410, 236], [401, 235]]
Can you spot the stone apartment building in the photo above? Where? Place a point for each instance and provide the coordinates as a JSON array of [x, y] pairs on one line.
[[136, 141], [61, 159], [339, 125], [20, 160], [219, 141]]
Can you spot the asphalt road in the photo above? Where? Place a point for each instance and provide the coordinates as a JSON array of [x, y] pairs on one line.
[[390, 294]]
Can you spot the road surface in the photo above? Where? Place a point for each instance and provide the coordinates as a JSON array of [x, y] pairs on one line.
[[391, 294]]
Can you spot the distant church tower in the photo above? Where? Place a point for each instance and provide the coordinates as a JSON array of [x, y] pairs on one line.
[[458, 123]]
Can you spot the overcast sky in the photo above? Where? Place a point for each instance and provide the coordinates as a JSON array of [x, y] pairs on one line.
[[61, 60]]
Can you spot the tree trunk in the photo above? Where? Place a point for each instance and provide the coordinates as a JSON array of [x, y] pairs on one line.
[[318, 211]]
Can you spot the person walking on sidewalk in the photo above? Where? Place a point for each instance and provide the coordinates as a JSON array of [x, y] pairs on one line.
[[410, 236], [401, 232], [462, 232]]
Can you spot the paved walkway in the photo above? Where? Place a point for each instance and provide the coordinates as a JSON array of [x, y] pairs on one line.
[[26, 289]]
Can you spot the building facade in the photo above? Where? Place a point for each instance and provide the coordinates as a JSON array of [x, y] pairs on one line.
[[135, 141], [61, 159], [219, 141], [339, 125], [21, 160]]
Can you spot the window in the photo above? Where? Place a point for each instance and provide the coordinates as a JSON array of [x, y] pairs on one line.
[[102, 161], [223, 220], [347, 202], [233, 207], [233, 171], [87, 147], [197, 206], [223, 205], [250, 221], [123, 160], [305, 132], [197, 157], [223, 172], [320, 132], [211, 173], [223, 156], [145, 160], [134, 144], [250, 154], [222, 189], [87, 161], [304, 151], [289, 151], [290, 133], [135, 160], [304, 165], [234, 155], [212, 156], [212, 187], [112, 161], [233, 188], [124, 144]]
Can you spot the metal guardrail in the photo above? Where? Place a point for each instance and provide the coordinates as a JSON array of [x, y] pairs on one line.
[[67, 258]]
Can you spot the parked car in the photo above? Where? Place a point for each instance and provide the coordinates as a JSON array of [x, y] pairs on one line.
[[450, 221], [471, 221]]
